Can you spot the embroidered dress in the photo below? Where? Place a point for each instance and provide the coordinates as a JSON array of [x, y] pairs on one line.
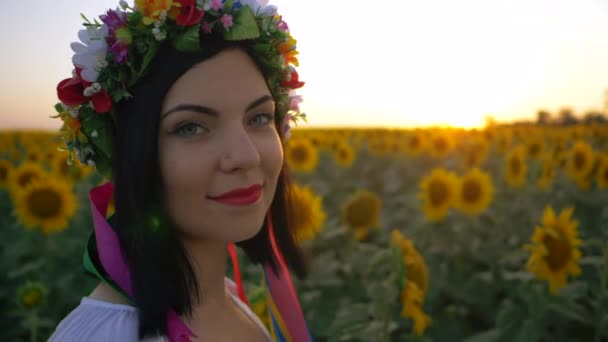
[[96, 321]]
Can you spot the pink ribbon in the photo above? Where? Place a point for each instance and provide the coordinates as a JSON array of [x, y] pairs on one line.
[[114, 263]]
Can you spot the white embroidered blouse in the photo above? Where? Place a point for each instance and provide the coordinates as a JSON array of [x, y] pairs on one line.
[[99, 321]]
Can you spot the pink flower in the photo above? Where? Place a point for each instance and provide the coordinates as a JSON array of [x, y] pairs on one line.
[[119, 37], [226, 20], [207, 27], [216, 4], [282, 25], [294, 103]]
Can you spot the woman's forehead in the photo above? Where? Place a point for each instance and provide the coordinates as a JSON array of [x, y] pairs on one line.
[[229, 77]]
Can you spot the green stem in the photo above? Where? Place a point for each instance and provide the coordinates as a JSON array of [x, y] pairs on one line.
[[603, 283], [33, 320], [386, 336]]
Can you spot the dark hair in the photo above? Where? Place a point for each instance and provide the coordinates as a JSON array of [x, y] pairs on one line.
[[161, 270]]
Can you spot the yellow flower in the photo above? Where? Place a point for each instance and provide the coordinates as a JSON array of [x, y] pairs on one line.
[[301, 155], [475, 192], [475, 153], [516, 167], [438, 192], [554, 248], [5, 170], [503, 142], [23, 175], [152, 9], [34, 154], [416, 286], [547, 173], [580, 161], [61, 167], [415, 143], [378, 146], [362, 210], [344, 154], [535, 147], [46, 203], [602, 172], [440, 144], [15, 154], [31, 295], [308, 213]]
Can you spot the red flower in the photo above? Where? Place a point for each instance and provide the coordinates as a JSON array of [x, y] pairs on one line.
[[71, 92], [294, 81], [189, 15]]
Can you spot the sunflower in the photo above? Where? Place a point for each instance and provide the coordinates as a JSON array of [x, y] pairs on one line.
[[580, 160], [378, 146], [554, 248], [474, 153], [416, 284], [535, 147], [46, 203], [5, 170], [415, 143], [602, 172], [31, 295], [516, 167], [475, 192], [308, 214], [362, 211], [547, 172], [344, 154], [61, 167], [301, 155], [34, 155], [15, 154], [440, 144], [20, 177], [503, 141], [438, 191]]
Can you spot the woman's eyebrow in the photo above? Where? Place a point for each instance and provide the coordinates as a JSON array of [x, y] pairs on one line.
[[210, 111]]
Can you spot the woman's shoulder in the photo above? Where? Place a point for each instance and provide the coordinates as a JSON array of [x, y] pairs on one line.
[[95, 320]]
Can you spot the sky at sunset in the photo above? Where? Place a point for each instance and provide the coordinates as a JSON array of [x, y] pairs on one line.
[[368, 63]]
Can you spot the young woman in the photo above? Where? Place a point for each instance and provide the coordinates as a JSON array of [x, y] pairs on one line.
[[185, 106]]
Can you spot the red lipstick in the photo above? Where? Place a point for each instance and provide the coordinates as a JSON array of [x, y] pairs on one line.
[[242, 196]]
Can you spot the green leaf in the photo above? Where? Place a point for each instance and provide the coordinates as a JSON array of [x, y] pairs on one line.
[[227, 6], [59, 108], [98, 125], [573, 312], [103, 166], [597, 261], [188, 41], [244, 25], [148, 57], [486, 336]]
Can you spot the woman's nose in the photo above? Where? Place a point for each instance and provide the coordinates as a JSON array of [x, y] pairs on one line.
[[239, 152]]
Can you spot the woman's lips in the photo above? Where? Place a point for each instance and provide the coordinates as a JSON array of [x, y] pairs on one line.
[[240, 196]]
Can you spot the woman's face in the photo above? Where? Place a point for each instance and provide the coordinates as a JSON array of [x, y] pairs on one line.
[[217, 134]]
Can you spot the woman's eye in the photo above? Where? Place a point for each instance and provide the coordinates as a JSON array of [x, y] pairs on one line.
[[263, 119], [188, 129]]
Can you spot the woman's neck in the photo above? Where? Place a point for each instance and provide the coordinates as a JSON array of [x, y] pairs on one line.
[[209, 265]]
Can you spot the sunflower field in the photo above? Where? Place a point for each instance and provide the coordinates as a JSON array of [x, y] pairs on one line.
[[435, 234]]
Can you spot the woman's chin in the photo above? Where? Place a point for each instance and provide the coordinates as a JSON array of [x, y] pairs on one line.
[[246, 234]]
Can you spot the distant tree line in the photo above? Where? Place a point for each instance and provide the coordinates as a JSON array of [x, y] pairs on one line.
[[563, 117], [566, 116]]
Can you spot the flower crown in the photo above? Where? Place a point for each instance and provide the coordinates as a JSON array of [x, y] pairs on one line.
[[114, 55]]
